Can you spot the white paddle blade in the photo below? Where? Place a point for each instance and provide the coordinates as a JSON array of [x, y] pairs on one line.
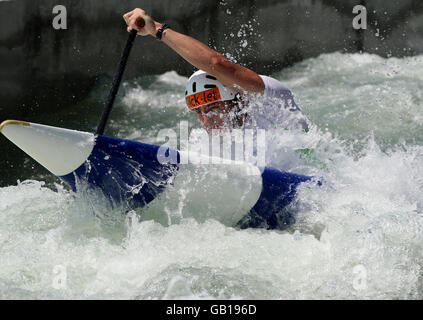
[[61, 151]]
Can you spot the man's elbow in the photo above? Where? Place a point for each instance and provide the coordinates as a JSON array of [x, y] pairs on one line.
[[215, 63], [214, 60], [221, 65]]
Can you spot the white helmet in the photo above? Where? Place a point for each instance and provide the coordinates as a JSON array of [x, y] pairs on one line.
[[203, 89]]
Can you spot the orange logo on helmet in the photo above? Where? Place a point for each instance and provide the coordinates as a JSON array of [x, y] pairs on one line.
[[201, 98]]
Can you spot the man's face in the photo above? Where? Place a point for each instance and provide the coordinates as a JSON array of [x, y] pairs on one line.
[[217, 115]]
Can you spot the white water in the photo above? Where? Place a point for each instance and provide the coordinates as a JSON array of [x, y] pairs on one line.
[[358, 236]]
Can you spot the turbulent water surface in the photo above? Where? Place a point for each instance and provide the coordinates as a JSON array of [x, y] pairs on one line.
[[360, 235]]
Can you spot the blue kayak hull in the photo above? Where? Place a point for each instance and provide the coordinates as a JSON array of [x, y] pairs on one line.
[[129, 173]]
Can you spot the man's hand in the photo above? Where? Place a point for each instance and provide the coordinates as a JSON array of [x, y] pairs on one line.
[[139, 20]]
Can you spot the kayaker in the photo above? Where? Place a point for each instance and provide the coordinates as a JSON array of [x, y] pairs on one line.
[[222, 93]]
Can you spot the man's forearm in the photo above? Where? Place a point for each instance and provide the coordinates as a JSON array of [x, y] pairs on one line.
[[192, 50], [209, 60], [200, 55]]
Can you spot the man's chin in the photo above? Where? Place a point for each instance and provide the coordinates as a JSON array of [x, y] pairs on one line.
[[213, 126], [223, 126], [210, 128]]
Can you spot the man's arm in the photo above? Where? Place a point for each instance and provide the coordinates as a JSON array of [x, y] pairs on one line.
[[199, 55]]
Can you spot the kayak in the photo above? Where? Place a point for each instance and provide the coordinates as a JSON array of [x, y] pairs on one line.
[[130, 174]]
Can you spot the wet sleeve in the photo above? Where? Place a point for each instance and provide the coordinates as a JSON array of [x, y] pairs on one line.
[[274, 89]]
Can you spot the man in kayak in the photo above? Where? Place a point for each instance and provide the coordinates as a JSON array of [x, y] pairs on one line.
[[223, 93]]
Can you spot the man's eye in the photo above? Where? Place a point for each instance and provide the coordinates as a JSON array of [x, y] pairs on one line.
[[210, 108]]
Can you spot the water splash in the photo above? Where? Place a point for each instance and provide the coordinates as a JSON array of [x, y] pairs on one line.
[[358, 236]]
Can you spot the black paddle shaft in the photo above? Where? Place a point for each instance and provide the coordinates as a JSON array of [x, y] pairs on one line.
[[116, 82]]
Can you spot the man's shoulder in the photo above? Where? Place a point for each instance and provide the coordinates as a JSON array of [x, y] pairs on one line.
[[273, 86]]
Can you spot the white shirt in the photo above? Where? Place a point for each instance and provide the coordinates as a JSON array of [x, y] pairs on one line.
[[275, 109]]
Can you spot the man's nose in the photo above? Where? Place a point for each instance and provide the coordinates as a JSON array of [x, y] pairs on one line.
[[205, 117], [206, 120]]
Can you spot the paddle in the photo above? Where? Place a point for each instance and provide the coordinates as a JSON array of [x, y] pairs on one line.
[[118, 77]]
